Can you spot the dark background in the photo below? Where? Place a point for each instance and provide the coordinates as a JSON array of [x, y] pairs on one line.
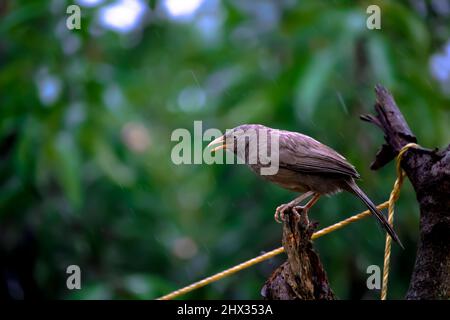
[[86, 117]]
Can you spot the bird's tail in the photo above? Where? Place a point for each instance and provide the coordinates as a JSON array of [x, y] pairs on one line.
[[353, 187]]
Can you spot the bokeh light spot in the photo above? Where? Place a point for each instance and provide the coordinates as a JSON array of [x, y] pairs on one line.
[[122, 16]]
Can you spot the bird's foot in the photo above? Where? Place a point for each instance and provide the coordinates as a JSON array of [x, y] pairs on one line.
[[279, 212], [301, 211], [281, 209]]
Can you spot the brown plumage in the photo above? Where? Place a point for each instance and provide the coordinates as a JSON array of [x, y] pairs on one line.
[[305, 166]]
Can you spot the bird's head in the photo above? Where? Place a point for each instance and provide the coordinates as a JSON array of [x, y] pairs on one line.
[[240, 136]]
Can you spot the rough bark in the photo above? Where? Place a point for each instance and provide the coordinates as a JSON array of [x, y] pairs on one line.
[[302, 277], [429, 173]]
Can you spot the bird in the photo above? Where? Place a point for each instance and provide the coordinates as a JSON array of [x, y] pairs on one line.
[[305, 166]]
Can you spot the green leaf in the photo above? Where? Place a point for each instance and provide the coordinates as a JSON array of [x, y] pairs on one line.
[[67, 167], [380, 60], [312, 82]]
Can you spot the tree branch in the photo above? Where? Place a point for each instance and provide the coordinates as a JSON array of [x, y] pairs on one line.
[[429, 173], [302, 276]]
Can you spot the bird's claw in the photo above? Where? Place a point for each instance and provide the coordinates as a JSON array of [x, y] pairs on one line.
[[301, 211], [279, 212], [298, 209]]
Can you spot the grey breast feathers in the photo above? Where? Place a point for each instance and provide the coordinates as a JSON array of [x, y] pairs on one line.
[[299, 152]]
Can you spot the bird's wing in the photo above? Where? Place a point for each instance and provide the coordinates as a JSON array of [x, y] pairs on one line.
[[302, 153]]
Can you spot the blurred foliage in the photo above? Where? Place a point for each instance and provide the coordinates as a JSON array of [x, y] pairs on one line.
[[86, 115]]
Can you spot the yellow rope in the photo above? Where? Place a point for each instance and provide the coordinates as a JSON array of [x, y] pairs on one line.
[[265, 256], [392, 199], [222, 274], [387, 204]]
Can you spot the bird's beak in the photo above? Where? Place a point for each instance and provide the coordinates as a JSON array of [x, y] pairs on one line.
[[221, 144]]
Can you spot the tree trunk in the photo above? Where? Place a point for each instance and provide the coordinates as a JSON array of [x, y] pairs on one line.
[[429, 173]]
